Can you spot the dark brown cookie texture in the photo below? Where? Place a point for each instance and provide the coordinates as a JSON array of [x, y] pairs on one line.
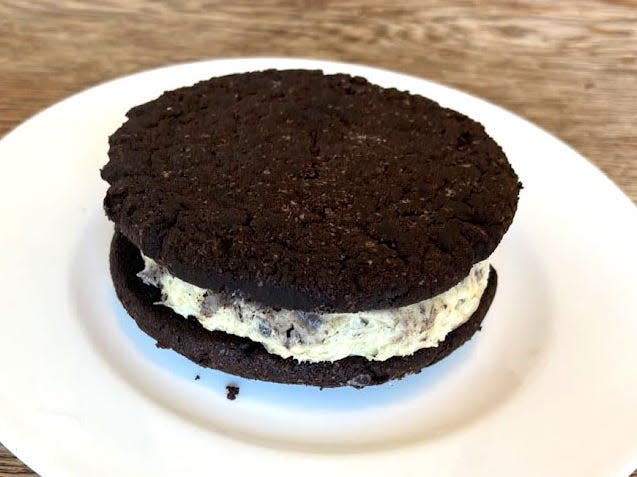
[[309, 191], [243, 357]]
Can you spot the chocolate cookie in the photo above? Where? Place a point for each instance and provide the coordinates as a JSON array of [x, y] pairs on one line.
[[243, 357], [305, 191]]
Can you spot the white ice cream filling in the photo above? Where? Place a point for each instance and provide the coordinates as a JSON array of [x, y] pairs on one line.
[[307, 336]]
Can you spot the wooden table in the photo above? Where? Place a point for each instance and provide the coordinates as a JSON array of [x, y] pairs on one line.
[[570, 66]]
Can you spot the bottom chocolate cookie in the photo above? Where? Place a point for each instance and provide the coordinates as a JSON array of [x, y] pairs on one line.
[[243, 357]]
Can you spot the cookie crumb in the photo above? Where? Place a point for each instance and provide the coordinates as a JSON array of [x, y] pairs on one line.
[[232, 392]]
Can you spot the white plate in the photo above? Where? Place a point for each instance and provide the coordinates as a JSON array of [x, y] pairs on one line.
[[548, 388]]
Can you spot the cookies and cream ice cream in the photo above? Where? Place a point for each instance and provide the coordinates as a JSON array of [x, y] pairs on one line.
[[306, 336]]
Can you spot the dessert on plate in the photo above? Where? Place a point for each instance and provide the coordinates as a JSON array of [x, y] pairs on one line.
[[298, 227]]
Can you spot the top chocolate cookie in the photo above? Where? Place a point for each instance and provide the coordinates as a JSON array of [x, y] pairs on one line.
[[308, 191]]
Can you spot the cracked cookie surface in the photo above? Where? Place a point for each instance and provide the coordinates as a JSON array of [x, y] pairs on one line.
[[308, 191]]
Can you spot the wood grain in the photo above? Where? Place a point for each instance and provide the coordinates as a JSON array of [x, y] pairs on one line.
[[569, 66]]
